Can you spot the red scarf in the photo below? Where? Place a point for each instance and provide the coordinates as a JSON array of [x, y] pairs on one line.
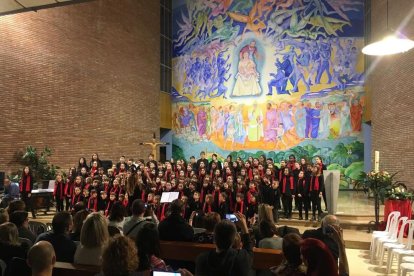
[[284, 184], [303, 182], [109, 207], [59, 188], [250, 193], [316, 186], [93, 202], [241, 210], [26, 183], [69, 188], [163, 211], [202, 195], [208, 208], [143, 195], [76, 199], [280, 175], [250, 173]]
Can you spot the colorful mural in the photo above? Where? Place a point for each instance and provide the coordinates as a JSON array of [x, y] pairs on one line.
[[272, 76]]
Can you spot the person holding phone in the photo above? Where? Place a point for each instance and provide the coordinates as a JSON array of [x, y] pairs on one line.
[[225, 260]]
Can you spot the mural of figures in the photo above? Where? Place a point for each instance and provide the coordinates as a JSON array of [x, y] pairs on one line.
[[269, 76]]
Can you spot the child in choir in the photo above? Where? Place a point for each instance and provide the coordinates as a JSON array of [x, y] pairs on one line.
[[59, 192], [252, 208], [302, 195], [115, 187], [95, 186], [252, 191], [288, 192], [125, 200], [157, 206], [101, 173], [276, 201], [106, 187], [204, 191], [85, 195], [228, 190], [77, 197], [240, 206], [94, 169], [83, 173], [26, 186], [186, 208], [150, 198], [223, 207], [103, 201], [208, 204], [88, 183], [93, 201], [196, 203], [316, 188], [112, 200], [69, 187]]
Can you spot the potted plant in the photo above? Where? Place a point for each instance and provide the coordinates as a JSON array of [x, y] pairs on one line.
[[42, 170], [379, 184]]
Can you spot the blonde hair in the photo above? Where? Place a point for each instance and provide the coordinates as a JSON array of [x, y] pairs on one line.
[[120, 256], [265, 212], [9, 233], [94, 232]]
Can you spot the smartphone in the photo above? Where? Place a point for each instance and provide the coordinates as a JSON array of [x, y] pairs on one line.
[[163, 273], [231, 217]]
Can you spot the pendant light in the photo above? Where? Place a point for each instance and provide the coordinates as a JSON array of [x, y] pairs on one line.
[[389, 45]]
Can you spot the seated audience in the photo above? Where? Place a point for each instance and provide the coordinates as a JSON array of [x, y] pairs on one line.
[[41, 259], [174, 227], [4, 216], [117, 215], [78, 220], [21, 220], [225, 260], [210, 220], [59, 237], [120, 257], [11, 192], [148, 244], [270, 239], [265, 212], [134, 223], [322, 235], [10, 246], [16, 205], [94, 236], [292, 264], [318, 258]]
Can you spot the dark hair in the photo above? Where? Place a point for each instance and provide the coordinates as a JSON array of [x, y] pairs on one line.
[[211, 220], [119, 257], [79, 206], [61, 222], [18, 218], [117, 212], [148, 243], [291, 249], [318, 258], [267, 229], [78, 219], [138, 207], [224, 234], [16, 205], [176, 207]]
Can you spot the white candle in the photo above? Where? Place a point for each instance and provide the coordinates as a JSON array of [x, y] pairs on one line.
[[376, 161]]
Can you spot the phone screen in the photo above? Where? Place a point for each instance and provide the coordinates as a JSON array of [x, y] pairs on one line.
[[231, 217], [162, 273]]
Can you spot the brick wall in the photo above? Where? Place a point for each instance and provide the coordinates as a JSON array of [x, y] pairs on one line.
[[81, 79], [392, 86]]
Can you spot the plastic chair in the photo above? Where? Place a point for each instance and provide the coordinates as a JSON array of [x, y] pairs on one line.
[[399, 244], [406, 267], [26, 241], [389, 230], [388, 239], [3, 267], [37, 227], [399, 253], [408, 259]]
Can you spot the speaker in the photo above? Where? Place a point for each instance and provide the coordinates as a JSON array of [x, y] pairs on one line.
[[106, 164], [2, 175]]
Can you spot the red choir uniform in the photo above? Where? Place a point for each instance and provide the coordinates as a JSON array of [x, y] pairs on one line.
[[93, 203], [316, 189], [75, 199], [240, 207], [26, 187], [302, 197], [68, 193], [287, 186], [59, 195], [207, 208]]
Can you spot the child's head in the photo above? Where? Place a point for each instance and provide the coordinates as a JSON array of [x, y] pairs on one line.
[[116, 182], [112, 197], [184, 199], [253, 198], [209, 198], [95, 183], [104, 195], [88, 180], [239, 197], [157, 199], [196, 196], [78, 180], [286, 171], [94, 193], [252, 185], [150, 197], [58, 177], [77, 190], [85, 192], [168, 186], [222, 197], [301, 174]]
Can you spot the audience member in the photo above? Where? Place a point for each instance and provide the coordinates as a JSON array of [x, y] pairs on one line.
[[21, 220], [94, 236], [120, 257], [292, 264], [41, 259], [148, 244], [270, 239], [134, 223], [78, 220], [117, 215], [4, 216], [59, 237], [10, 246], [318, 258], [174, 227], [11, 192], [210, 220], [16, 205], [322, 234], [225, 260]]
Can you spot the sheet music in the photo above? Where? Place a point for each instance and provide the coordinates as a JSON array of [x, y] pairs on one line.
[[169, 197]]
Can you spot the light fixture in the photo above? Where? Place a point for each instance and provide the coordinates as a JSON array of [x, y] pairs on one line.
[[389, 45]]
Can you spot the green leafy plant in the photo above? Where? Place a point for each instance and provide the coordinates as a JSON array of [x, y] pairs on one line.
[[38, 163]]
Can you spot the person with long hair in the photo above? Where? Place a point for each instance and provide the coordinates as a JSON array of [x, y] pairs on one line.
[[120, 257], [10, 245], [318, 258], [292, 264], [26, 186], [148, 244]]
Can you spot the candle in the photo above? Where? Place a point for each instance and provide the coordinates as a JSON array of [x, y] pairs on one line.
[[376, 161], [153, 135]]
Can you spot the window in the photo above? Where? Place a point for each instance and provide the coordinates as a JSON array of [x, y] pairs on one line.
[[165, 45]]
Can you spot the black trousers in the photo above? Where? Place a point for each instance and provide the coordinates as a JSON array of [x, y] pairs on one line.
[[67, 203], [287, 204], [316, 203], [59, 204], [303, 204]]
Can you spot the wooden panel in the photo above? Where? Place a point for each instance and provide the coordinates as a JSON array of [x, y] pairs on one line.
[[165, 110], [69, 269]]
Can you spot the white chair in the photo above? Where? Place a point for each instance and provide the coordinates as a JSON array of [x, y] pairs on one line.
[[389, 230], [408, 259], [411, 273], [393, 238], [399, 253], [406, 267], [385, 244]]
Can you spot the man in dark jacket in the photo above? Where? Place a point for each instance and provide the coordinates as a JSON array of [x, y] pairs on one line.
[[225, 260], [20, 219], [174, 227]]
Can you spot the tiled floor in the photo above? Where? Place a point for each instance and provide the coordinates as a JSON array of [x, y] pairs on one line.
[[356, 203]]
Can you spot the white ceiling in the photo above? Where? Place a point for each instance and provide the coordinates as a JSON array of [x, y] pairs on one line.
[[15, 6]]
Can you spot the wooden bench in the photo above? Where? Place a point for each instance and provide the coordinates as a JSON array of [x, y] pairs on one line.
[[188, 251], [69, 269]]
